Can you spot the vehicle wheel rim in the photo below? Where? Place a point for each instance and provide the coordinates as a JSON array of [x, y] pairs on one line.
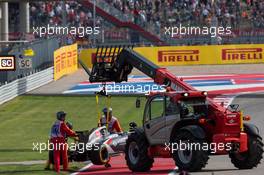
[[185, 156], [241, 156], [104, 155], [133, 153]]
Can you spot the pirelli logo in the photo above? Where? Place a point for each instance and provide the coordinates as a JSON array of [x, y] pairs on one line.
[[178, 56], [242, 54], [7, 63]]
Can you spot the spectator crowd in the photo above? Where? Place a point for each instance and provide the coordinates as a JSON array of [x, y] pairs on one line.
[[43, 13], [233, 13], [154, 15], [159, 13]]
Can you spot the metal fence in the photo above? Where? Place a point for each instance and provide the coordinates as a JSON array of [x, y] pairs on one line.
[[42, 59], [25, 84]]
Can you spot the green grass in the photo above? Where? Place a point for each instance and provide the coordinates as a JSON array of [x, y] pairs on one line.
[[35, 169], [27, 120]]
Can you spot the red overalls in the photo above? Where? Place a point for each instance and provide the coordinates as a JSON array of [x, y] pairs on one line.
[[59, 131], [113, 124]]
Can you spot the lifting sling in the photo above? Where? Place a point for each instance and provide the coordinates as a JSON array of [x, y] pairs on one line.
[[107, 104]]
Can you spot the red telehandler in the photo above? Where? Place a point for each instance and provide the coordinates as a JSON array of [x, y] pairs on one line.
[[181, 123]]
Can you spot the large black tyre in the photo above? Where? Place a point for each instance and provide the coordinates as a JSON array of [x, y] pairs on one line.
[[190, 159], [252, 157], [99, 156], [136, 152]]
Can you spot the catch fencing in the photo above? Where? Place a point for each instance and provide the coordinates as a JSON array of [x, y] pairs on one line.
[[41, 59], [25, 84]]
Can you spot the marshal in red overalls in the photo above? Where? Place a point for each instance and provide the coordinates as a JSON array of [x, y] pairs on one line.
[[59, 131], [113, 123]]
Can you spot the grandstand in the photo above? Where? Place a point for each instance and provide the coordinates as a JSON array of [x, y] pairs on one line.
[[142, 21]]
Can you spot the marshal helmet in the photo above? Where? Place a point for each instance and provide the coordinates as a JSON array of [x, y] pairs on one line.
[[61, 115]]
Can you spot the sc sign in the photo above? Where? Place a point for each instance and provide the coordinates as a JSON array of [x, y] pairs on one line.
[[25, 63], [7, 63]]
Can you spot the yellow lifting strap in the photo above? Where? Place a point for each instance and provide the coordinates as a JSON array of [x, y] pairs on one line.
[[241, 121], [98, 111], [108, 105]]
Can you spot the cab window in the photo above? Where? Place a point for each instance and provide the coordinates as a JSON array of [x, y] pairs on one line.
[[171, 107], [155, 108]]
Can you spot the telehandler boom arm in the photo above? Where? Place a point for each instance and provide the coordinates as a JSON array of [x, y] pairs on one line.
[[116, 67]]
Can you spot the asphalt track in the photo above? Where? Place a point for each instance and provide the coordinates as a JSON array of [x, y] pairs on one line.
[[66, 82], [251, 104]]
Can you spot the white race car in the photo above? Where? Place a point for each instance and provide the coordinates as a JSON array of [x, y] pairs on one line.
[[99, 146]]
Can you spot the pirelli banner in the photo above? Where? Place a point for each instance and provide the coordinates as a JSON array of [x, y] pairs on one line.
[[196, 55], [65, 61]]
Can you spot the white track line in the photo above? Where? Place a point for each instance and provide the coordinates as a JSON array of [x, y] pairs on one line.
[[223, 87], [83, 169], [34, 162]]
